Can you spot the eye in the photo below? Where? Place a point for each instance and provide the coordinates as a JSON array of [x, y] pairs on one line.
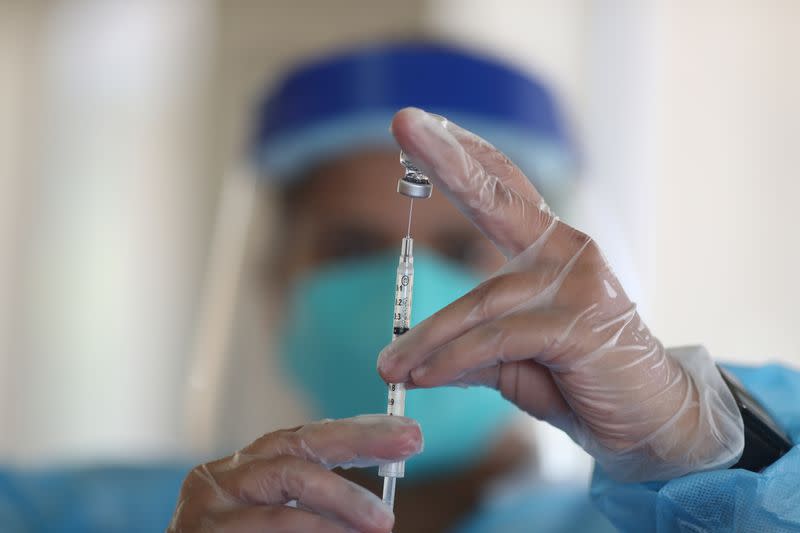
[[347, 243], [462, 247]]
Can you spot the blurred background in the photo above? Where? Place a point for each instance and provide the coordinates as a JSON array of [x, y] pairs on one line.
[[128, 221]]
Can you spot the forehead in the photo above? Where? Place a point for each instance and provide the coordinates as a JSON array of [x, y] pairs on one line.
[[361, 186]]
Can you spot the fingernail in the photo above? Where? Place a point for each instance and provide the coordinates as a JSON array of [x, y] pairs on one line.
[[412, 447], [442, 121], [393, 421], [419, 372], [403, 421], [428, 116], [385, 359], [415, 442], [429, 120], [436, 127]]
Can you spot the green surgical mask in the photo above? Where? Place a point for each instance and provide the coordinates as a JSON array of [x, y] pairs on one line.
[[338, 320]]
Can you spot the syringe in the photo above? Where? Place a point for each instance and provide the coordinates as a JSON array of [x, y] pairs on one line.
[[401, 321], [413, 184]]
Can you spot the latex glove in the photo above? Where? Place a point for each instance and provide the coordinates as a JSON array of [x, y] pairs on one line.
[[247, 491], [554, 331]]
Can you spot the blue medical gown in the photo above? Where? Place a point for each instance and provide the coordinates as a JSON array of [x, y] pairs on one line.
[[129, 499], [133, 499], [106, 499], [722, 500], [538, 508]]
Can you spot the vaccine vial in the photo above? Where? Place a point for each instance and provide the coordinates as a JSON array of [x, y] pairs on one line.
[[414, 183]]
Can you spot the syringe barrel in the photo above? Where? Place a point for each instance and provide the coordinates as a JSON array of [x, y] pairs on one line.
[[396, 405], [401, 321], [403, 289]]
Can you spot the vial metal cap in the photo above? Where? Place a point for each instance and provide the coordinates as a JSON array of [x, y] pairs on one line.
[[414, 184], [414, 189]]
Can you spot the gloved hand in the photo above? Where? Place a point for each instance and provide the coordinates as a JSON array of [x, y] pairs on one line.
[[553, 330], [247, 491]]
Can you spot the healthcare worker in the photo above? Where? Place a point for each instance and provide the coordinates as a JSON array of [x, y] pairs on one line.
[[551, 334], [552, 330], [328, 147]]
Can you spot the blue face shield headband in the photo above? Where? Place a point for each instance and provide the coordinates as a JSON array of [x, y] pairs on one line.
[[333, 104], [339, 318]]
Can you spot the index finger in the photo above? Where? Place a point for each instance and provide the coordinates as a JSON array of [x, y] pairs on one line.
[[485, 186], [361, 441]]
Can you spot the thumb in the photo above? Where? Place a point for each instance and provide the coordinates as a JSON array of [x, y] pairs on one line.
[[479, 179]]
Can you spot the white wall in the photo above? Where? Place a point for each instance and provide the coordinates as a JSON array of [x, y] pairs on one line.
[[727, 250], [542, 36], [109, 247], [15, 84]]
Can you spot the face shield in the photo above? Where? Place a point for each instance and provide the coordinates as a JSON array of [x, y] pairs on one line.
[[308, 342]]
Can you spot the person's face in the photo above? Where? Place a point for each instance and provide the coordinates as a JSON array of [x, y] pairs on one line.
[[336, 319], [349, 207]]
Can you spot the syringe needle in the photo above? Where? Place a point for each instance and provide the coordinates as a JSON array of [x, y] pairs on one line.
[[410, 210]]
